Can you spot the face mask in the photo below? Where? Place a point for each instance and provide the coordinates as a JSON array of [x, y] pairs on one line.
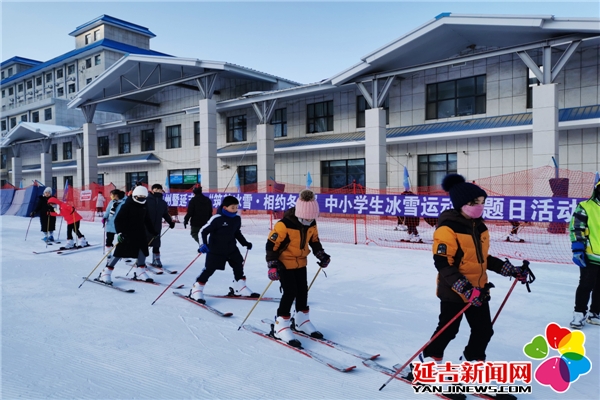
[[475, 211], [306, 222]]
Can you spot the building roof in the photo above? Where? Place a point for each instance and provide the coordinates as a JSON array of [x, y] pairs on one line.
[[107, 19], [19, 60], [26, 131], [148, 158], [73, 54]]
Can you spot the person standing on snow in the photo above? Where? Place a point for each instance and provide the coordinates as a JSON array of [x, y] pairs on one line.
[[199, 211], [585, 242], [287, 249], [157, 209], [100, 200], [460, 253], [111, 212], [47, 221], [221, 233], [131, 224], [72, 219]]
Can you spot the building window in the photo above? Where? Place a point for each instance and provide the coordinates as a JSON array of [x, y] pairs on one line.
[[133, 178], [101, 179], [3, 125], [124, 143], [340, 173], [96, 34], [47, 114], [88, 63], [38, 81], [10, 72], [35, 116], [103, 146], [88, 38], [197, 133], [54, 184], [173, 136], [3, 162], [71, 88], [456, 98], [11, 91], [60, 91], [148, 140], [97, 60], [71, 69], [434, 167], [49, 77], [3, 93], [67, 151], [319, 117], [279, 122], [24, 118], [29, 84], [362, 106], [54, 152], [20, 87], [59, 73], [236, 129], [88, 81], [68, 179], [248, 178], [183, 178], [2, 75], [13, 122]]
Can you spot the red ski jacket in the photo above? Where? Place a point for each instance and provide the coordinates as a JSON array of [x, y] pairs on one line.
[[65, 210]]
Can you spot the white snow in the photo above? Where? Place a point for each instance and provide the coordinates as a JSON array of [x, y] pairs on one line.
[[64, 342]]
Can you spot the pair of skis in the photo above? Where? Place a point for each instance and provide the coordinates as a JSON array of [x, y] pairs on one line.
[[64, 250]]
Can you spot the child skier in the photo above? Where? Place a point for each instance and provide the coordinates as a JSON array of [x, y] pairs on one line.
[[157, 209], [72, 219], [287, 249], [100, 200], [131, 223], [198, 213], [111, 212], [460, 248], [221, 233], [47, 221]]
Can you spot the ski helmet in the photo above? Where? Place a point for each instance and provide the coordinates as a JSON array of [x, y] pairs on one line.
[[139, 195]]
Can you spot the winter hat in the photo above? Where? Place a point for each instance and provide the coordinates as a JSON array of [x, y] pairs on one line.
[[48, 190], [461, 192], [306, 205], [229, 201]]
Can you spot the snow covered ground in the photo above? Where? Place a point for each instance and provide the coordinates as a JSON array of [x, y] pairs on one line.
[[61, 342]]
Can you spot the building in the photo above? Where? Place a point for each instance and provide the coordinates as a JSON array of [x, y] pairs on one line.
[[482, 95]]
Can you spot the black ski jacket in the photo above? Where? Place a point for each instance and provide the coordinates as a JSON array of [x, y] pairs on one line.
[[132, 221], [199, 211], [223, 232]]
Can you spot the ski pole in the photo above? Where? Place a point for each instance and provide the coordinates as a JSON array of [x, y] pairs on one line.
[[313, 281], [438, 333], [47, 227], [27, 233], [178, 276], [100, 262], [255, 304], [525, 267]]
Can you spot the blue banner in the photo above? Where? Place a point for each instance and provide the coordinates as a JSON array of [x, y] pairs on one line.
[[537, 209]]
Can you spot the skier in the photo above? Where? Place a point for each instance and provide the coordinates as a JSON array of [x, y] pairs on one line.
[[199, 211], [512, 236], [47, 221], [157, 209], [460, 248], [131, 223], [287, 249], [108, 221], [221, 233], [72, 218], [100, 200], [411, 225], [585, 243]]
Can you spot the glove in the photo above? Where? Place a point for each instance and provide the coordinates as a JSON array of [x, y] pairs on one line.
[[203, 249], [184, 224], [249, 246], [324, 258], [579, 254], [274, 269], [120, 237], [519, 273], [172, 224], [473, 294], [103, 222]]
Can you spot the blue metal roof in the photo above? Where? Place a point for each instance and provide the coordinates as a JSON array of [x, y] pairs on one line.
[[103, 161], [107, 43], [20, 60], [113, 21], [502, 121]]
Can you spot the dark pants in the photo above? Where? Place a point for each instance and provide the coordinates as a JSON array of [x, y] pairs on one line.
[[295, 287], [154, 242], [589, 283], [109, 239], [481, 330], [194, 232], [73, 227], [217, 262]]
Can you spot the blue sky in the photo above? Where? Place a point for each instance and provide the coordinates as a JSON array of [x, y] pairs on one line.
[[302, 41]]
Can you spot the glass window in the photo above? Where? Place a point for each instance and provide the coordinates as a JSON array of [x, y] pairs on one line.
[[2, 75], [248, 178], [59, 73], [319, 117], [10, 72], [466, 96], [38, 81], [148, 140], [71, 69], [3, 93], [47, 114], [101, 179], [29, 84], [49, 77], [10, 91], [13, 122], [197, 133], [54, 152], [3, 125], [88, 81], [60, 91], [103, 146], [3, 162], [236, 129], [67, 151], [133, 178], [97, 60], [96, 34], [69, 179], [88, 38], [88, 63], [434, 167], [20, 87], [362, 105], [35, 116], [24, 118], [124, 143], [71, 88], [173, 136], [340, 173], [279, 122]]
